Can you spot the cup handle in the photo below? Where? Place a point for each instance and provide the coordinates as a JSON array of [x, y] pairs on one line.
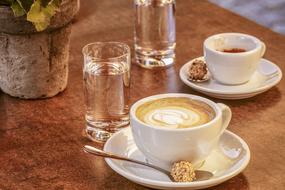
[[263, 49], [226, 116]]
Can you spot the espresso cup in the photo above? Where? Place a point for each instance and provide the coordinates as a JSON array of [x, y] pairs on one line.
[[163, 146], [233, 68]]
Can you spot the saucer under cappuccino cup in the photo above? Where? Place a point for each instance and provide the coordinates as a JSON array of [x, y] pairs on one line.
[[172, 127], [232, 58]]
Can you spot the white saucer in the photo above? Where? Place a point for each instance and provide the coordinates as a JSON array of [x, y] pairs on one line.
[[226, 161], [258, 83]]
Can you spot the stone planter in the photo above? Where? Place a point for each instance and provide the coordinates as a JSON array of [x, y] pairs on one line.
[[35, 64]]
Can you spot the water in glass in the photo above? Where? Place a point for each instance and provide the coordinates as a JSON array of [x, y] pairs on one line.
[[155, 32], [106, 87]]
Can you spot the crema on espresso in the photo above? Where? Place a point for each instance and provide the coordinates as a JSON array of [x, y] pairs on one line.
[[175, 112]]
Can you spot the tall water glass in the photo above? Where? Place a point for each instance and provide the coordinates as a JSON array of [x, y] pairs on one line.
[[155, 33], [106, 75]]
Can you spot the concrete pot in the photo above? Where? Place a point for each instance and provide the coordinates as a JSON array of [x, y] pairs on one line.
[[35, 64]]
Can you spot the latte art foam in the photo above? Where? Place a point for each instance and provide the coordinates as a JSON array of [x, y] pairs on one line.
[[175, 113], [173, 117]]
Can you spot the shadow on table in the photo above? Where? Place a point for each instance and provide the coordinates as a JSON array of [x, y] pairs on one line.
[[239, 182], [257, 103], [262, 101]]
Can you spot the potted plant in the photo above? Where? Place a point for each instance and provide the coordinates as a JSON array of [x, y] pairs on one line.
[[34, 46]]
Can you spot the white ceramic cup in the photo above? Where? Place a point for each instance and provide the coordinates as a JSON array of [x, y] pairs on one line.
[[233, 68], [163, 146]]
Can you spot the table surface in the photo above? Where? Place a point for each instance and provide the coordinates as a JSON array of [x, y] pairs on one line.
[[41, 140]]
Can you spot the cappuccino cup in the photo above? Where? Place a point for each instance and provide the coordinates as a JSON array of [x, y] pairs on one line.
[[232, 58], [170, 127]]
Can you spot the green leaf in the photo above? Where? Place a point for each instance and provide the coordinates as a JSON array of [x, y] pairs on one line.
[[26, 4], [17, 9], [36, 13], [52, 7], [40, 26], [39, 12], [40, 16]]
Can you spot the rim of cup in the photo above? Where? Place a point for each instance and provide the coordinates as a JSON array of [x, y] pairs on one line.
[[122, 45], [212, 104], [256, 41]]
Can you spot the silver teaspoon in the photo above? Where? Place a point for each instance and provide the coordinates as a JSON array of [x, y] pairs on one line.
[[200, 174]]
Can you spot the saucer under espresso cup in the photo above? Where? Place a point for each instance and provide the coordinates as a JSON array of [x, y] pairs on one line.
[[265, 77], [227, 160], [163, 145], [232, 58]]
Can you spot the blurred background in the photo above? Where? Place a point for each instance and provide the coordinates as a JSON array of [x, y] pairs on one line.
[[269, 13]]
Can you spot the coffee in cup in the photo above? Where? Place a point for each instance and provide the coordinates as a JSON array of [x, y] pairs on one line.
[[232, 58], [233, 50], [175, 112]]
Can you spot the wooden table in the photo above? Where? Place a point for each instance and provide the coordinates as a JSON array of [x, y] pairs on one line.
[[41, 141]]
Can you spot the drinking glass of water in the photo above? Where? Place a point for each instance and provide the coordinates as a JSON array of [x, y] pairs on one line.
[[155, 33], [106, 74]]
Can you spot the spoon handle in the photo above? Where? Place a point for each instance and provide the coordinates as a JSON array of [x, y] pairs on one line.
[[98, 152]]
